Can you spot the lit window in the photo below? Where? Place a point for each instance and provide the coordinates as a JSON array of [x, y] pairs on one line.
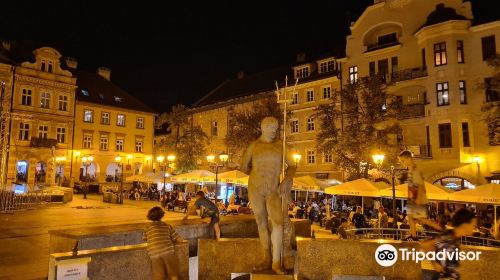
[[61, 135], [45, 100], [88, 116], [119, 144], [440, 54], [63, 103], [310, 124], [43, 131], [443, 97], [353, 74], [105, 118], [311, 157], [139, 122], [120, 120], [310, 95], [295, 126], [26, 97]]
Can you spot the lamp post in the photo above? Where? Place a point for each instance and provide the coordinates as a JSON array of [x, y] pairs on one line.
[[211, 160], [118, 160], [160, 160], [170, 159], [86, 161], [378, 159], [59, 163]]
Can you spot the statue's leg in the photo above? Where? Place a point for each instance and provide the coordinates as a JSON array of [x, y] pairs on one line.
[[275, 212], [258, 202]]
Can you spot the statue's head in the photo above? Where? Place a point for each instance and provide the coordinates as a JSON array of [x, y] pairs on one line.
[[269, 126]]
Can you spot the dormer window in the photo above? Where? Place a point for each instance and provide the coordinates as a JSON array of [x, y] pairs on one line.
[[46, 66], [327, 66], [302, 72], [85, 92], [118, 99]]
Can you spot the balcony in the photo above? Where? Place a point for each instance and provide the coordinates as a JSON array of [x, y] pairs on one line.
[[378, 46], [420, 151], [412, 111], [408, 74], [43, 142]]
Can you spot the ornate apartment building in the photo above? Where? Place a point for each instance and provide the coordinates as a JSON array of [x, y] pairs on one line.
[[433, 55]]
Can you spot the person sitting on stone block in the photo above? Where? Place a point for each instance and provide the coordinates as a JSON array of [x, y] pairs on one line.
[[161, 238], [208, 209]]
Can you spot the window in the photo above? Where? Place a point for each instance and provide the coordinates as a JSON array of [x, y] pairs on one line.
[[383, 68], [465, 134], [45, 100], [139, 123], [119, 144], [463, 92], [49, 68], [103, 142], [443, 98], [327, 92], [295, 98], [489, 46], [353, 74], [311, 157], [87, 141], [460, 51], [387, 39], [294, 126], [43, 65], [43, 131], [327, 158], [440, 54], [105, 118], [26, 97], [63, 103], [302, 72], [310, 95], [310, 124], [61, 135], [327, 66], [372, 68], [424, 63], [120, 120], [491, 90], [24, 131], [394, 64], [138, 145], [88, 115], [214, 129], [445, 135]]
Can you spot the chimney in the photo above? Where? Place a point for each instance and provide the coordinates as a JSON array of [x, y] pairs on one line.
[[104, 72], [301, 57], [71, 62], [240, 75]]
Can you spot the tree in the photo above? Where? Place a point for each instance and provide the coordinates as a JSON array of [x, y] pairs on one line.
[[491, 109], [183, 139], [360, 120], [244, 124]]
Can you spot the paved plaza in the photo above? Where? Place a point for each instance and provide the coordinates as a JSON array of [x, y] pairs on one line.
[[24, 238]]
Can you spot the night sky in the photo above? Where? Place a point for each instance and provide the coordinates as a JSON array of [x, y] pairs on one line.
[[168, 54]]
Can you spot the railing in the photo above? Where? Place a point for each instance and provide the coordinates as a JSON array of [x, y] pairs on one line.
[[378, 46], [420, 151], [408, 74], [401, 234], [10, 201], [412, 111], [43, 142]]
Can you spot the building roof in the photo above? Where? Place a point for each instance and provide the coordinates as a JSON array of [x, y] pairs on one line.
[[442, 14], [244, 86], [95, 89]]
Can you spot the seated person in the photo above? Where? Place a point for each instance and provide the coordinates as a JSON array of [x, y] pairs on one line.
[[341, 231], [404, 225]]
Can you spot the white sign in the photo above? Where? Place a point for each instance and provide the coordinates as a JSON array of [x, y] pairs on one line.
[[72, 269]]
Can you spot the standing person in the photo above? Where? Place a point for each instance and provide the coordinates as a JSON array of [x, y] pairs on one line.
[[358, 220], [463, 222], [208, 209], [161, 238], [417, 198], [383, 219]]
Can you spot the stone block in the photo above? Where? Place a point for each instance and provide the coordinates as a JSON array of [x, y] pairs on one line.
[[323, 258], [487, 267], [218, 259]]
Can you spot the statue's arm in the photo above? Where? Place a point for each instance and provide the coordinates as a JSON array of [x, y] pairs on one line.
[[286, 184], [246, 160]]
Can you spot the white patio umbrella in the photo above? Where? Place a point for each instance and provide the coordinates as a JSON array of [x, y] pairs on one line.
[[195, 176], [360, 187]]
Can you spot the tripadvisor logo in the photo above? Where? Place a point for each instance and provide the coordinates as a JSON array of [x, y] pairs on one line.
[[386, 255]]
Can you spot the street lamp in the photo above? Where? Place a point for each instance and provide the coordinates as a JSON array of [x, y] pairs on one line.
[[378, 159], [59, 163], [118, 160], [211, 160], [160, 160], [296, 158]]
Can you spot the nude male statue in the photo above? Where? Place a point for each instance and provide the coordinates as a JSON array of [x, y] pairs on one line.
[[263, 161]]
